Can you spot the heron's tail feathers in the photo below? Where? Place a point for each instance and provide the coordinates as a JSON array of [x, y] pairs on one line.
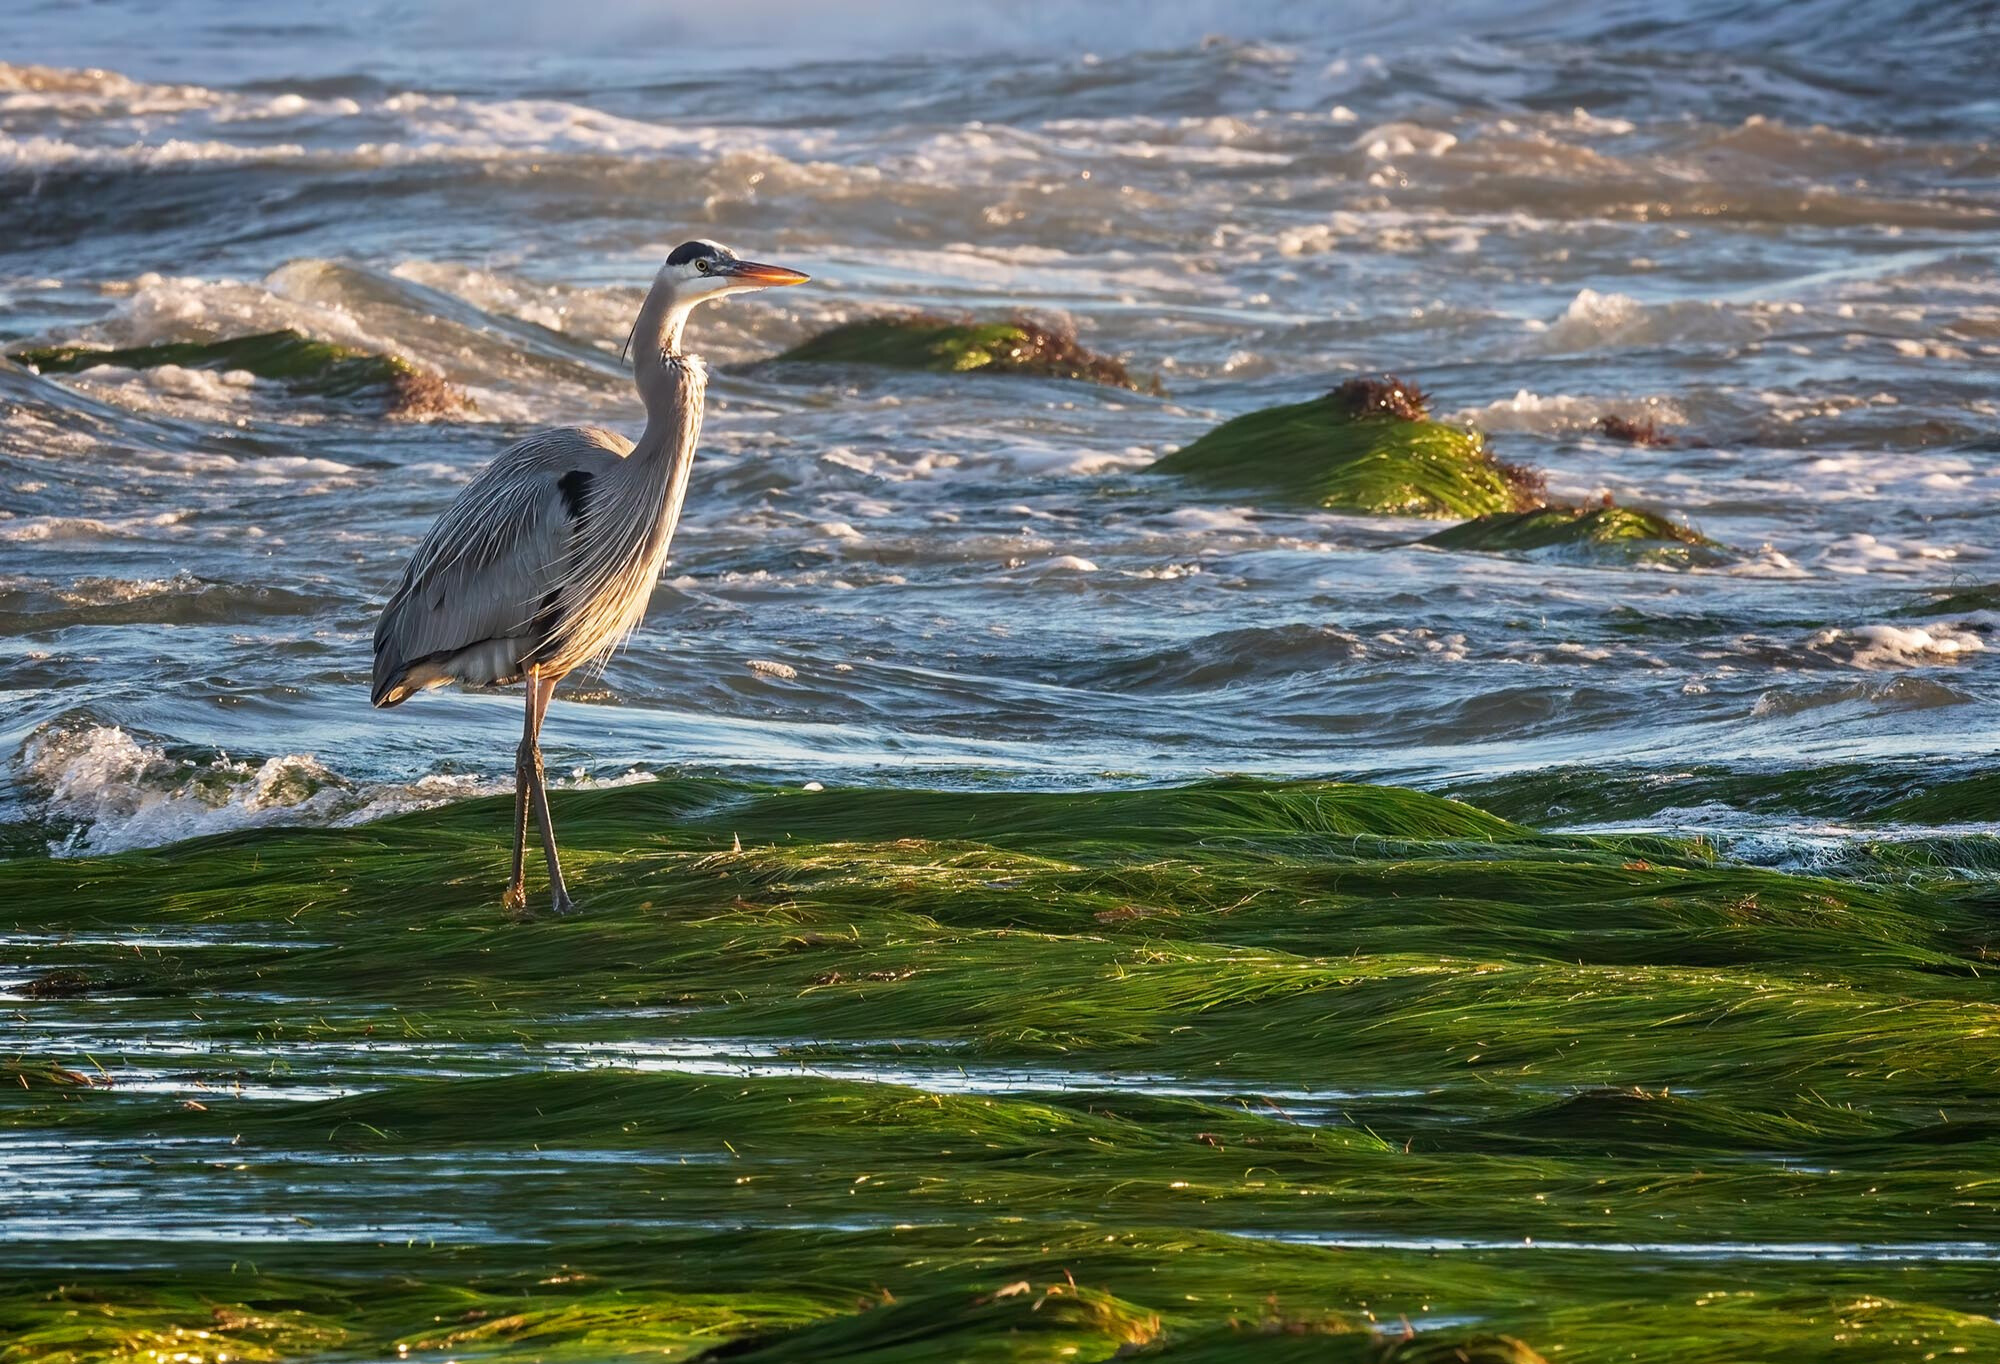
[[484, 663], [391, 687]]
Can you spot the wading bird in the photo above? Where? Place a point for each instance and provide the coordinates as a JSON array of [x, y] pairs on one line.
[[546, 561]]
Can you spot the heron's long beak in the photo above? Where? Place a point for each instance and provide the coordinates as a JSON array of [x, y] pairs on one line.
[[763, 276]]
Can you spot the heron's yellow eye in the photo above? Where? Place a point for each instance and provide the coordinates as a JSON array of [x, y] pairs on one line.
[[702, 266]]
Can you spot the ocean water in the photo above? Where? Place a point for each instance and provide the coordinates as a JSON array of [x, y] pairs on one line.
[[1774, 230]]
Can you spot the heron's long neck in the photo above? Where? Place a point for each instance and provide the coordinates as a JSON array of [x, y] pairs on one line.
[[650, 483], [632, 507], [670, 383]]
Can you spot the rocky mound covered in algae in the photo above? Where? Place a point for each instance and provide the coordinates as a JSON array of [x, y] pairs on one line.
[[1240, 1071], [306, 366], [1634, 535], [942, 346], [1368, 446]]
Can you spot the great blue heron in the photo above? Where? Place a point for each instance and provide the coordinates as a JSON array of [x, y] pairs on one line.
[[547, 559]]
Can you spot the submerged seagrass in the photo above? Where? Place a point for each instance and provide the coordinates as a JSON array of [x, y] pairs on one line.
[[305, 365], [1368, 446], [1235, 1071], [942, 346]]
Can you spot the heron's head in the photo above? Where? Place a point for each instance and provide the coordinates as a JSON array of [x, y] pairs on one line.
[[704, 270]]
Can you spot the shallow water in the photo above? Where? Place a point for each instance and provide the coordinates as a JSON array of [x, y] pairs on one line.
[[1773, 232]]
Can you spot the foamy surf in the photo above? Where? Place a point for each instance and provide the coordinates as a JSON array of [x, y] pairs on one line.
[[108, 791]]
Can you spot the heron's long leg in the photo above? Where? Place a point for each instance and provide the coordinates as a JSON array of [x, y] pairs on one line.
[[516, 898], [540, 689]]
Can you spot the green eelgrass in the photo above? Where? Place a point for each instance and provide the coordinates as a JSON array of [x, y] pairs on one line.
[[25, 1073], [942, 346], [1367, 446], [305, 365], [1626, 532], [1239, 1070]]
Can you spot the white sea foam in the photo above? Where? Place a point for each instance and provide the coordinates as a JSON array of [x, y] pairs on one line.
[[1415, 640], [98, 95], [1396, 231], [116, 792], [1165, 572], [1594, 320], [120, 123], [1767, 562], [1393, 141], [1071, 460], [1897, 646], [1863, 552], [31, 529], [34, 154], [175, 390], [116, 591], [1786, 842], [1210, 520], [123, 794], [157, 308], [591, 313], [1564, 412], [447, 122]]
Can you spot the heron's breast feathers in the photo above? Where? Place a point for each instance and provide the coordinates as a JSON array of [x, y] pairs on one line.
[[551, 552]]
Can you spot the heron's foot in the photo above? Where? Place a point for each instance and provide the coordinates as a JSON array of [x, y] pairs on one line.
[[515, 899], [562, 904]]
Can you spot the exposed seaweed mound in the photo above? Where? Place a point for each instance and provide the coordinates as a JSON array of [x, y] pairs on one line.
[[320, 369], [1233, 1071], [942, 346], [1626, 532], [1368, 446]]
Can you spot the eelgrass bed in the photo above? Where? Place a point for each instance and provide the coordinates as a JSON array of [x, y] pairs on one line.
[[1238, 1071]]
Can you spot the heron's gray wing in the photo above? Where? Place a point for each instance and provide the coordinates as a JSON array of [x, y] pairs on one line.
[[480, 577]]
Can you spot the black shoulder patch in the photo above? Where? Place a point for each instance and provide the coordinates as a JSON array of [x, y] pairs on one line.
[[688, 251], [542, 629], [575, 489]]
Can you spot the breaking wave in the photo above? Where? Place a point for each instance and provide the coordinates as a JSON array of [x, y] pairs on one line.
[[103, 790]]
